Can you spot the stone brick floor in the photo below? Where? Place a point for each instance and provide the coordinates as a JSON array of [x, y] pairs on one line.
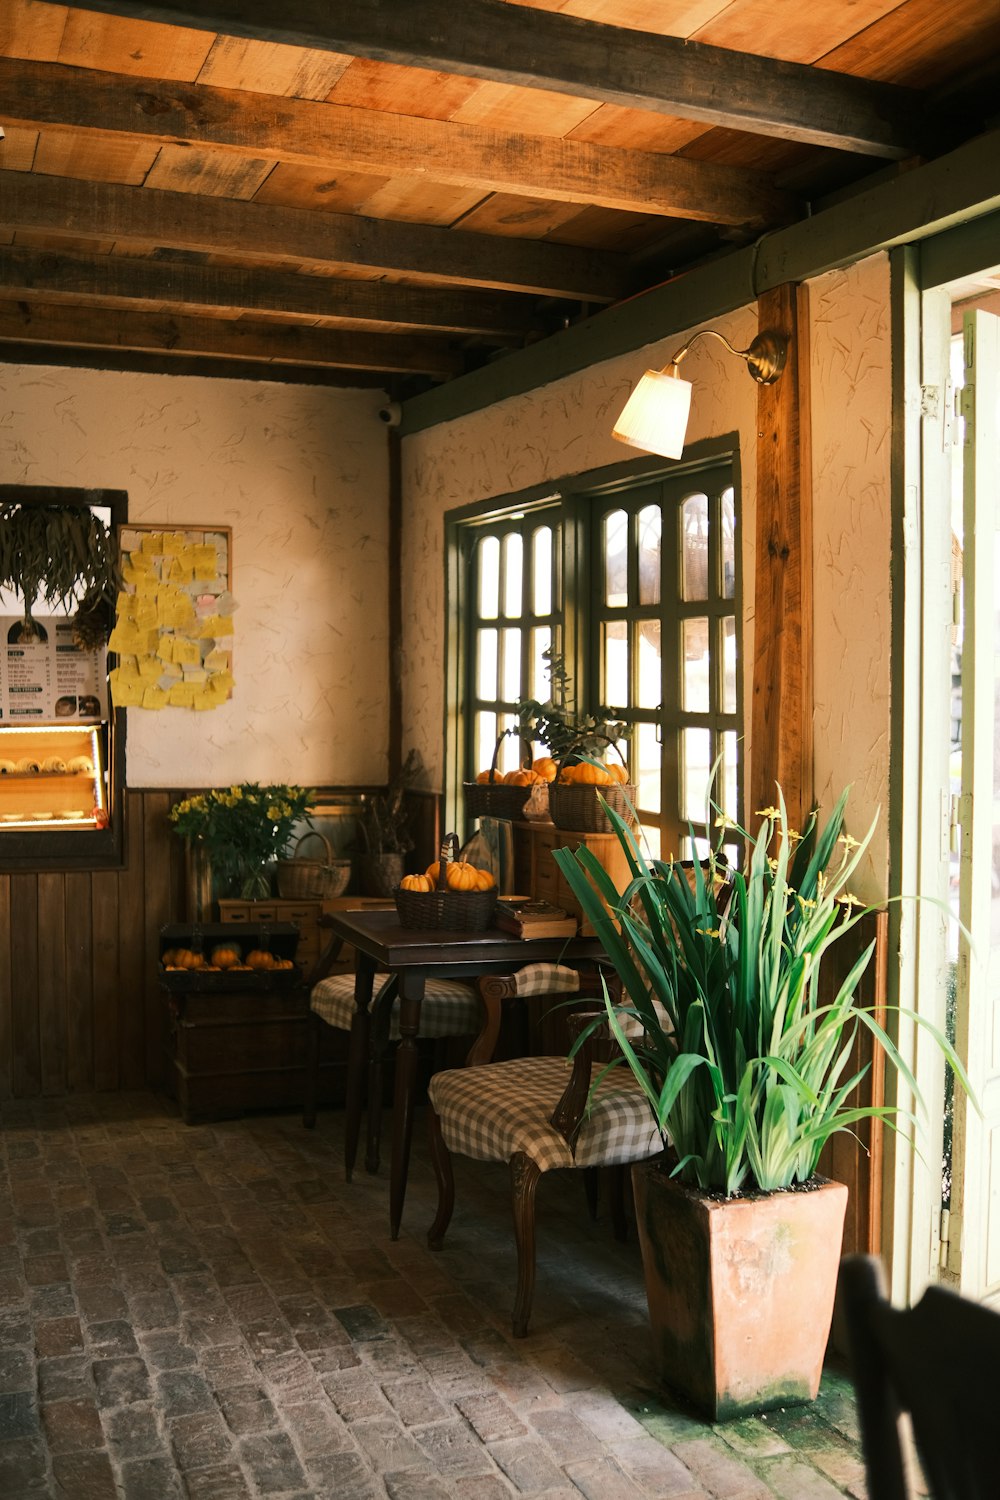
[[212, 1312]]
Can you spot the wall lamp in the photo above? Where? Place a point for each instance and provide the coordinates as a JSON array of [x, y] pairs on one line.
[[655, 416]]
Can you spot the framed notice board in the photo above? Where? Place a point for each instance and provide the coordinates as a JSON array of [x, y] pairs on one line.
[[173, 633]]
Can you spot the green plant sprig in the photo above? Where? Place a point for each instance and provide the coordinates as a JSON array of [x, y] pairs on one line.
[[726, 1025]]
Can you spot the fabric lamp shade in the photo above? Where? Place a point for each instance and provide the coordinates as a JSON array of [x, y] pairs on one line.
[[656, 414]]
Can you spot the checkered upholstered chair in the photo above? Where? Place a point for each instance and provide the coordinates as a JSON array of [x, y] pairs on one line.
[[535, 1113], [450, 1009]]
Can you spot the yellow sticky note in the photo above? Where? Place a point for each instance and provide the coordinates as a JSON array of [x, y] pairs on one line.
[[204, 699], [173, 541], [154, 697], [206, 560], [217, 660], [221, 684], [181, 569], [216, 628], [145, 611], [181, 695], [126, 691], [141, 562], [146, 583], [152, 542], [149, 669], [124, 606], [186, 651]]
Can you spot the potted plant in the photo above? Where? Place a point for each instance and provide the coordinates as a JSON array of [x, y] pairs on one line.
[[558, 725], [384, 831], [742, 1050], [242, 830], [61, 554]]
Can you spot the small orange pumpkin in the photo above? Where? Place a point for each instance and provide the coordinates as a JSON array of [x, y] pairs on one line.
[[545, 768], [567, 776], [259, 958], [588, 774], [433, 873], [486, 880], [483, 777], [618, 772], [461, 876], [416, 883], [518, 778], [225, 956]]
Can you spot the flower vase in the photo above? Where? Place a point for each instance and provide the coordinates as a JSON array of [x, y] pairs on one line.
[[197, 881], [255, 882]]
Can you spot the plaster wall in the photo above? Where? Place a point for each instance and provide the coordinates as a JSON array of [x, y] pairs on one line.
[[851, 378], [300, 474]]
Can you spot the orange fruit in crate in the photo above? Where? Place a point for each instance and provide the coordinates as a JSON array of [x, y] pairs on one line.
[[225, 956], [259, 958]]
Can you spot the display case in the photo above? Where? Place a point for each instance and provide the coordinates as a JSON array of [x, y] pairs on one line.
[[52, 777]]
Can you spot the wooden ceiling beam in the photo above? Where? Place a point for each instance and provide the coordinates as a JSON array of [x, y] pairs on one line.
[[115, 281], [264, 343], [333, 136], [148, 217], [531, 48]]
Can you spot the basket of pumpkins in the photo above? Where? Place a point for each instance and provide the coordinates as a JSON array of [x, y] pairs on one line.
[[582, 787], [502, 794], [451, 894]]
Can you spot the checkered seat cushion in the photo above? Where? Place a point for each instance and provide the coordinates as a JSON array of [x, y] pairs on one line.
[[450, 1008], [491, 1112]]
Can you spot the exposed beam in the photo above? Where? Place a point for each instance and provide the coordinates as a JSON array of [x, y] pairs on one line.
[[36, 95], [540, 49], [114, 281], [220, 226], [266, 343]]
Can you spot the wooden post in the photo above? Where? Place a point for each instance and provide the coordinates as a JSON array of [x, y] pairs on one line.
[[781, 713]]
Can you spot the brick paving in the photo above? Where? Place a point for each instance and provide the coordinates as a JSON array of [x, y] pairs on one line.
[[212, 1313]]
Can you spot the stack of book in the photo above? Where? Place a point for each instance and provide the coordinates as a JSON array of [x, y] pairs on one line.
[[534, 919]]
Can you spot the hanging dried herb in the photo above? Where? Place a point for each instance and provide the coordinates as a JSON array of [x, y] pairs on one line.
[[56, 553]]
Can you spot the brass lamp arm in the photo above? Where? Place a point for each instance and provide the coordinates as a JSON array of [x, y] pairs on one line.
[[765, 358]]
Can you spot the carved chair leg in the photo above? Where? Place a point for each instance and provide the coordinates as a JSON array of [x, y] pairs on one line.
[[378, 1045], [441, 1162], [592, 1189], [619, 1218], [310, 1095], [524, 1175]]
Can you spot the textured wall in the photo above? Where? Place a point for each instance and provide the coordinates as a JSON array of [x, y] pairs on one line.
[[561, 430], [851, 360], [300, 473]]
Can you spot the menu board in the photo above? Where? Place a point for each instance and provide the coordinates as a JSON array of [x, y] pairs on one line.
[[174, 618], [45, 675]]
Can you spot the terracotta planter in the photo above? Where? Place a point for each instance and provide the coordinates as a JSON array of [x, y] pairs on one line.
[[740, 1293]]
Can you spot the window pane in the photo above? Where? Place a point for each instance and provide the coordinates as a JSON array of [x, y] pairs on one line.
[[489, 578], [729, 664], [513, 560], [486, 738], [696, 761], [616, 662], [486, 664], [694, 547], [616, 559], [541, 551], [511, 668], [646, 766], [694, 690], [727, 543], [649, 555], [652, 841], [726, 789], [541, 640], [650, 666]]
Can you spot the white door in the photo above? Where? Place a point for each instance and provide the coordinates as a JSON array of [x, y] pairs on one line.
[[973, 1249]]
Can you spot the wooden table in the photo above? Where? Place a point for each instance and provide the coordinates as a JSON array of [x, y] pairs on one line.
[[414, 957]]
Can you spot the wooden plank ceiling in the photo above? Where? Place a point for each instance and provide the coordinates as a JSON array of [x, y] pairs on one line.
[[377, 192]]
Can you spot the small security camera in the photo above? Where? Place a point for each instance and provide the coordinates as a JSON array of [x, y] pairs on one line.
[[391, 415]]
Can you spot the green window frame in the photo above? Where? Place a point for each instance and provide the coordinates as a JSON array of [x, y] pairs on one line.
[[649, 628]]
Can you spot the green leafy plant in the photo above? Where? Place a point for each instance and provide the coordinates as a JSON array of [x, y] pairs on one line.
[[727, 1021], [242, 828], [558, 725]]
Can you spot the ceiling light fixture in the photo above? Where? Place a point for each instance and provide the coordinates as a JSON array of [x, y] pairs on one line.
[[655, 416]]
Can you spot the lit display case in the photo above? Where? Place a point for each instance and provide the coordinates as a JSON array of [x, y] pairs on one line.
[[52, 777]]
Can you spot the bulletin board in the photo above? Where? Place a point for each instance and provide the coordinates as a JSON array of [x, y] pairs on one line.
[[173, 632]]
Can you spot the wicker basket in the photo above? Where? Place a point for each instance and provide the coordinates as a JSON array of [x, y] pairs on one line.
[[580, 809], [452, 911], [312, 879], [493, 799]]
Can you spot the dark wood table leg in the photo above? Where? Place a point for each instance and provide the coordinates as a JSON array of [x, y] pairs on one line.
[[357, 1061], [411, 995]]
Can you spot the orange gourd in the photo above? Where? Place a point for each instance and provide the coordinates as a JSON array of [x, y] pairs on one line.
[[618, 772], [518, 778], [545, 768], [588, 774], [486, 881], [416, 883], [225, 956], [461, 876], [259, 958], [433, 873], [567, 776], [483, 776]]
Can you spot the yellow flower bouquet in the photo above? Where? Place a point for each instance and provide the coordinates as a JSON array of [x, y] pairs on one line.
[[242, 830]]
